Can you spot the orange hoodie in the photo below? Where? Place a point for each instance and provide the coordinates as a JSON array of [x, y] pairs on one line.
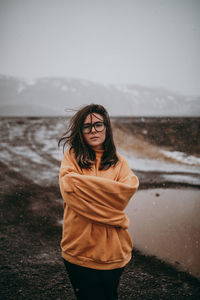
[[94, 225]]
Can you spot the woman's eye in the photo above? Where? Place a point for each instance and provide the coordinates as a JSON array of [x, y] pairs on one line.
[[86, 126], [99, 124]]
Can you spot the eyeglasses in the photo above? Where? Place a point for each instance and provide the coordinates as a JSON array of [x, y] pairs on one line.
[[98, 126]]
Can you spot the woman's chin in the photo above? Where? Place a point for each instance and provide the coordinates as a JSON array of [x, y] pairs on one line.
[[96, 146]]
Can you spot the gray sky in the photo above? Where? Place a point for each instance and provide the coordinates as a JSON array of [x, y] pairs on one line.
[[147, 42]]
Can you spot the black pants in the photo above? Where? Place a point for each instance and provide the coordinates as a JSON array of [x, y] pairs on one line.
[[91, 284]]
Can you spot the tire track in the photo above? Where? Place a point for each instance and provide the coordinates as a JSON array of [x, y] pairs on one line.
[[29, 137]]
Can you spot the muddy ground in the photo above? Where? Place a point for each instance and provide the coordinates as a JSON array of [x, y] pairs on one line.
[[31, 264], [177, 134]]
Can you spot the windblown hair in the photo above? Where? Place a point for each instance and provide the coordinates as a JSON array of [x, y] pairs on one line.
[[84, 154]]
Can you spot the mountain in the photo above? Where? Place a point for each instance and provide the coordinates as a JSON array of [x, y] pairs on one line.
[[53, 96]]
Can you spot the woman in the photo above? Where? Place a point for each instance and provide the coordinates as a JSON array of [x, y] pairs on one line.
[[96, 184]]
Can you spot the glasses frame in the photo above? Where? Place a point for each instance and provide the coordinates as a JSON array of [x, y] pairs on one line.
[[93, 125]]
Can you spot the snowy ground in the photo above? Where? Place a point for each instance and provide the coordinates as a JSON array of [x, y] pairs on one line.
[[30, 146]]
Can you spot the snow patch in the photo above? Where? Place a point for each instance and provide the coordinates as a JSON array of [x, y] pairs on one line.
[[27, 153], [21, 88], [146, 165], [191, 179], [182, 157]]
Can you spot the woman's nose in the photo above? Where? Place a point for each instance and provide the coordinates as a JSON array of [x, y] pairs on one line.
[[93, 129]]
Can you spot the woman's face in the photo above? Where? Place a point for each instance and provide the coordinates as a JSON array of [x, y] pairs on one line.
[[96, 137]]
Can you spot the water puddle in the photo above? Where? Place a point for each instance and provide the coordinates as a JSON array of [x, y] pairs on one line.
[[166, 223]]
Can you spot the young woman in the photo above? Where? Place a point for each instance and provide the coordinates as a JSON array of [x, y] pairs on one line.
[[96, 184]]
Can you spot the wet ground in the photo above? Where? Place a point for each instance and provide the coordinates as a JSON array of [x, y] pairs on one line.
[[31, 210]]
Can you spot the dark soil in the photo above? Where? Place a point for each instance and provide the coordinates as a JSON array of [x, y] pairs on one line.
[[180, 134]]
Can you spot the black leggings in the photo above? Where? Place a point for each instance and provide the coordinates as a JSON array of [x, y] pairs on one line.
[[92, 284]]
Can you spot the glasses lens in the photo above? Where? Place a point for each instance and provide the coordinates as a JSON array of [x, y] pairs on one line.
[[99, 126], [87, 128]]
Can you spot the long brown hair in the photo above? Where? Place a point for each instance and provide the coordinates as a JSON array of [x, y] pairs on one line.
[[84, 154]]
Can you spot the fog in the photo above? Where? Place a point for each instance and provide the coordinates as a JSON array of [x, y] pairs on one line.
[[151, 43]]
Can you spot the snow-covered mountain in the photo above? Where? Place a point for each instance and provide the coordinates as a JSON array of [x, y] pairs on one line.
[[53, 96]]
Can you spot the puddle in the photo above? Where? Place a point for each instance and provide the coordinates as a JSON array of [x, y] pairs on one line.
[[166, 223]]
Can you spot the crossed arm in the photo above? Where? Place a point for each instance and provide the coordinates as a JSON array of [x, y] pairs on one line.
[[98, 199]]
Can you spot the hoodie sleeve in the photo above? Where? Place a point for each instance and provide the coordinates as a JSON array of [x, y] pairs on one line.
[[97, 198], [68, 166]]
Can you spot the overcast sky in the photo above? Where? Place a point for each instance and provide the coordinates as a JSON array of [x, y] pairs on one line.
[[146, 42]]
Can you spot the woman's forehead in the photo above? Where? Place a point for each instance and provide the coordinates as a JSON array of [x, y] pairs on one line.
[[93, 117]]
